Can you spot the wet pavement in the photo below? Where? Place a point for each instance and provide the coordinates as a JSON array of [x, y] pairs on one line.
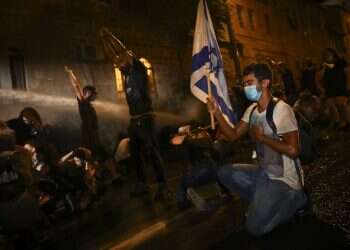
[[118, 221]]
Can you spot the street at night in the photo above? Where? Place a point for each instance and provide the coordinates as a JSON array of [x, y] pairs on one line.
[[118, 222], [175, 124]]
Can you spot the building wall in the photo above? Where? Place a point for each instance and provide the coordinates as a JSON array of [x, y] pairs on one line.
[[285, 31], [49, 33], [346, 28]]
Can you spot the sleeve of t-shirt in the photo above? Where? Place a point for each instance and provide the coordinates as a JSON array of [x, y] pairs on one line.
[[284, 118], [247, 113]]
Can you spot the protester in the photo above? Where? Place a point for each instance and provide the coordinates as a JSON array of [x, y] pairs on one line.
[[309, 106], [40, 165], [308, 77], [288, 82], [273, 187], [201, 166], [30, 127], [89, 123], [143, 144], [19, 210], [79, 172], [335, 89], [26, 126]]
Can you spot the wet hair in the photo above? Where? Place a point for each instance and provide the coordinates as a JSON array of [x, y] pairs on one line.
[[261, 71], [31, 114], [91, 89], [7, 138]]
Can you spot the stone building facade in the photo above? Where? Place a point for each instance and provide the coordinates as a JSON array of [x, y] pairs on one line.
[[39, 37], [287, 31]]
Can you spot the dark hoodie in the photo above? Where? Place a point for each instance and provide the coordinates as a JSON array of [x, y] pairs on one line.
[[136, 88], [334, 79]]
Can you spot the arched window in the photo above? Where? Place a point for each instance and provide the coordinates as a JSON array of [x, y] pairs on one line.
[[119, 78]]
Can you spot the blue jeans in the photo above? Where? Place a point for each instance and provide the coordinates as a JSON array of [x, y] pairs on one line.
[[271, 202]]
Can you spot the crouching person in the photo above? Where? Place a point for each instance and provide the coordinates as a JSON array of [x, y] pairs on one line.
[[273, 188], [201, 170], [78, 172], [20, 214]]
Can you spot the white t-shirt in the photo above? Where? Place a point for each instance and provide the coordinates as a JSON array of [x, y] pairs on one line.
[[285, 121]]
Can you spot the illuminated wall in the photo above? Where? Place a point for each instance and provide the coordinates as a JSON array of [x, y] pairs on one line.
[[284, 30]]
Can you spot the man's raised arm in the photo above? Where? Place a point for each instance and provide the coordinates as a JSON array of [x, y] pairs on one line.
[[75, 83]]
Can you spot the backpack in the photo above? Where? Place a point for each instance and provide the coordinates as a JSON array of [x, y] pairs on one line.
[[306, 137], [307, 147]]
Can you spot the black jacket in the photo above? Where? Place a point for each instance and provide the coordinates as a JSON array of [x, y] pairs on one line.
[[136, 88]]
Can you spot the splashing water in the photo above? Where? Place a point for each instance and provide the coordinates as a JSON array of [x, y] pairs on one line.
[[24, 98], [62, 114]]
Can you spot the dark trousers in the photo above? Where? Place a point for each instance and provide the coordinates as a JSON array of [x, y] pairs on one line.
[[144, 148], [197, 176]]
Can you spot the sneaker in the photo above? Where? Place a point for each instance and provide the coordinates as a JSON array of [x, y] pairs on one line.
[[139, 190], [197, 200]]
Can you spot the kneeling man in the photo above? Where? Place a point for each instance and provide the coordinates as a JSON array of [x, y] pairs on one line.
[[274, 187]]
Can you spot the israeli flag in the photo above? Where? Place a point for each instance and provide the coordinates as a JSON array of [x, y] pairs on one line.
[[207, 59]]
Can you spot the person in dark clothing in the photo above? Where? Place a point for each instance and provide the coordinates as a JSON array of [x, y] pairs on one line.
[[308, 78], [20, 213], [144, 147], [334, 82], [26, 125], [29, 127], [89, 123], [288, 82]]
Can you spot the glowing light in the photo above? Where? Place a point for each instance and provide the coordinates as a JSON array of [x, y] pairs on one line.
[[141, 236], [118, 80], [152, 83]]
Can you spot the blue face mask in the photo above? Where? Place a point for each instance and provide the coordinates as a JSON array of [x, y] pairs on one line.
[[252, 93]]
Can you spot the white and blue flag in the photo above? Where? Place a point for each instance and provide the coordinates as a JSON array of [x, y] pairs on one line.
[[206, 58]]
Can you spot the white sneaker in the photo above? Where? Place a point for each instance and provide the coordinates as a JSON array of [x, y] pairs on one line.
[[197, 200]]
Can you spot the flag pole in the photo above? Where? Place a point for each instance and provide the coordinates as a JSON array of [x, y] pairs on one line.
[[212, 121]]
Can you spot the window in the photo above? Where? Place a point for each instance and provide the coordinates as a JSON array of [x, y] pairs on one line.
[[267, 24], [119, 78], [251, 18], [239, 9], [16, 62]]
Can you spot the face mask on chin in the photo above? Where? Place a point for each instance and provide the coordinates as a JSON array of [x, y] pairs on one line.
[[252, 93]]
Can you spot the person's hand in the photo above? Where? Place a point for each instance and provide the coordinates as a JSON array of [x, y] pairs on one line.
[[257, 133], [75, 82], [177, 139], [212, 105]]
